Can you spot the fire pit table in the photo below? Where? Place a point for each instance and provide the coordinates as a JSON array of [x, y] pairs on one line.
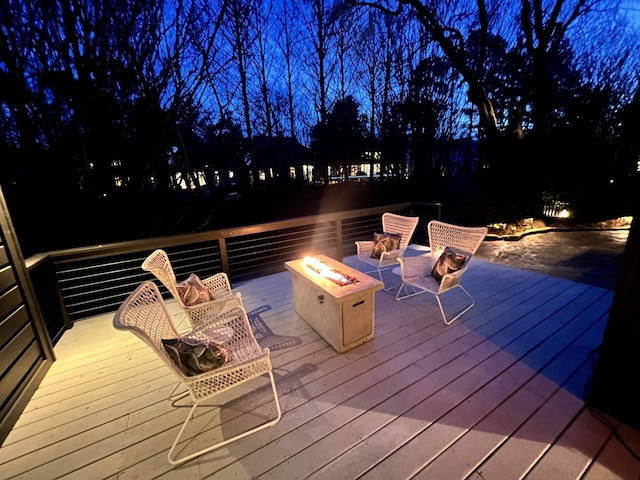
[[336, 300]]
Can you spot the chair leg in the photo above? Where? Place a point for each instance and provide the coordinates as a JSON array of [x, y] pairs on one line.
[[466, 309], [176, 461], [404, 285], [384, 286], [369, 272], [174, 397]]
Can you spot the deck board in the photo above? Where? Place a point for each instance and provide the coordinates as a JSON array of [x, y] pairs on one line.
[[497, 394]]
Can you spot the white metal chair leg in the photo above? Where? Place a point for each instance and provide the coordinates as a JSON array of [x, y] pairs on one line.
[[406, 286], [176, 461], [379, 272], [385, 288], [174, 397], [444, 317]]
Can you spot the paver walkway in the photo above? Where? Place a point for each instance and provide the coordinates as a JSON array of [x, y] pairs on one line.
[[587, 256]]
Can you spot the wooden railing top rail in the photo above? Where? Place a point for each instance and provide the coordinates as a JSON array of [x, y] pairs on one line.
[[132, 246]]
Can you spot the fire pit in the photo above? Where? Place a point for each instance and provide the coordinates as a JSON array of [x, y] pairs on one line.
[[335, 299]]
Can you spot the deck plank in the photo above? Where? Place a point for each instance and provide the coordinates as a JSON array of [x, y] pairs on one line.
[[497, 394], [614, 461], [573, 451]]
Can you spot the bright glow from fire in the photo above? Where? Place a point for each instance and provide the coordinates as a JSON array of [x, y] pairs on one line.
[[327, 272]]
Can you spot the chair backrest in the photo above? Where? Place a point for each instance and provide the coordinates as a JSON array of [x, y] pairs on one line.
[[442, 235], [402, 224], [145, 314], [159, 265]]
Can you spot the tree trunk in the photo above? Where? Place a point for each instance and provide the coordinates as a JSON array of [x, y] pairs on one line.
[[614, 386]]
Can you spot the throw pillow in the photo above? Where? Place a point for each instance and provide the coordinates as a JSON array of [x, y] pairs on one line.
[[385, 242], [449, 261], [194, 357], [192, 291]]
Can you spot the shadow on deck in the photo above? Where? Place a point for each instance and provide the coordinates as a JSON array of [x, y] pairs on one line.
[[498, 394]]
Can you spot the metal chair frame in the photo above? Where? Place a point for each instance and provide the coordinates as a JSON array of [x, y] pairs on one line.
[[144, 314], [218, 285], [416, 271], [391, 223]]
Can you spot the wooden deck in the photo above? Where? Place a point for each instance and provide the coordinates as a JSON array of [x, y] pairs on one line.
[[496, 395]]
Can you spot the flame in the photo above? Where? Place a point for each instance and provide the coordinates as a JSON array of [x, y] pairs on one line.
[[327, 272]]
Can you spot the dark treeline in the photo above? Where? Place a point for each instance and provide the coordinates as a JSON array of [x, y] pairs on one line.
[[125, 119]]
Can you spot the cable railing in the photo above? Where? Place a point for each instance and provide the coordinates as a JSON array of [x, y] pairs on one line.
[[79, 283]]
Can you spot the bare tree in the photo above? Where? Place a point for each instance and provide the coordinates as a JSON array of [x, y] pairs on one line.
[[287, 40], [544, 26], [188, 51], [374, 44], [315, 18], [345, 29], [241, 41], [609, 61], [447, 31], [264, 64]]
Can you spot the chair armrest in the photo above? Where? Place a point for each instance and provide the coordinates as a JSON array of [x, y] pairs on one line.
[[416, 267], [206, 313], [204, 329], [364, 246], [391, 255], [225, 326], [227, 300], [450, 280], [218, 285]]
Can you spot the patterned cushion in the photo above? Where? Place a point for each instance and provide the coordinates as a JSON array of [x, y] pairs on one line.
[[193, 357], [192, 291], [385, 242], [449, 261]]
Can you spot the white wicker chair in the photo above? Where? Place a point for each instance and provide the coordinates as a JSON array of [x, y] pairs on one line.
[[218, 285], [145, 314], [391, 223], [416, 271]]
